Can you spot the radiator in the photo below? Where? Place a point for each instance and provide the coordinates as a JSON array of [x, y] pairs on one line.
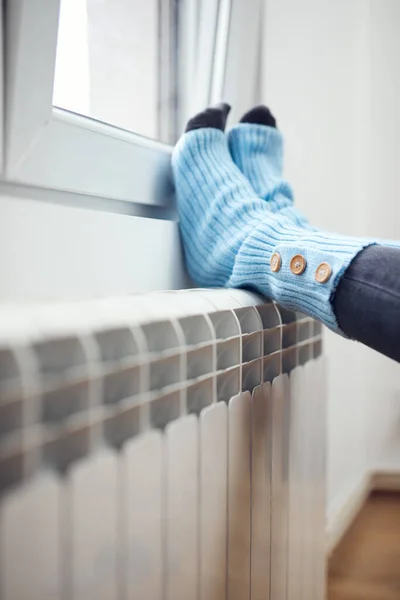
[[162, 447]]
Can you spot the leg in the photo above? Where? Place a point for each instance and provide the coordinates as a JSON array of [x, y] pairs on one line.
[[367, 300]]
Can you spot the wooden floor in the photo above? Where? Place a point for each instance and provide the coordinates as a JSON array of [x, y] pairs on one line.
[[366, 564]]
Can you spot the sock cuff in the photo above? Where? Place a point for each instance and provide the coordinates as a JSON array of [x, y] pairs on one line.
[[301, 272]]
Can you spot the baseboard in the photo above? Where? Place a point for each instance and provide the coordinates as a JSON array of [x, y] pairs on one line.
[[348, 513], [384, 481]]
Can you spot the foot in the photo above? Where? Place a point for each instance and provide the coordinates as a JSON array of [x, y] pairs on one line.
[[256, 148]]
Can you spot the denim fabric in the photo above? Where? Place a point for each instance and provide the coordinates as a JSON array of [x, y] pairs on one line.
[[367, 300]]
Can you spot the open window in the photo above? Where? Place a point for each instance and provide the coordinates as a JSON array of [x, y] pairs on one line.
[[94, 90]]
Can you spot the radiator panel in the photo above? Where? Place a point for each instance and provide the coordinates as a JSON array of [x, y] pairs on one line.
[[279, 531], [182, 512], [261, 491], [165, 446], [143, 512], [213, 501], [31, 520], [239, 498]]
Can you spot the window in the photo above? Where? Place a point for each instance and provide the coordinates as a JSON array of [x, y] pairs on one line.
[[96, 88], [107, 62]]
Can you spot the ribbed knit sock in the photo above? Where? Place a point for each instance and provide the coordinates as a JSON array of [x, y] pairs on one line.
[[232, 238], [256, 147]]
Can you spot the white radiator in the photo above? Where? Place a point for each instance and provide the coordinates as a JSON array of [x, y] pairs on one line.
[[161, 447]]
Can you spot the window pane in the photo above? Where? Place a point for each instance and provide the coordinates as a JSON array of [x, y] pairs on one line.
[[107, 65]]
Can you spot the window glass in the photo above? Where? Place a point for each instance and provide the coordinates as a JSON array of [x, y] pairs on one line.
[[107, 66]]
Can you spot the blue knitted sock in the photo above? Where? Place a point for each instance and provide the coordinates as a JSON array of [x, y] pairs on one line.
[[232, 238], [257, 150]]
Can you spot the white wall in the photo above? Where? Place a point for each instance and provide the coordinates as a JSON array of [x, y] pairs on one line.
[[383, 427], [64, 253], [324, 72]]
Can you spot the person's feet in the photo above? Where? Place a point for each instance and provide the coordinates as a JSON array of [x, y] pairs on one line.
[[234, 238]]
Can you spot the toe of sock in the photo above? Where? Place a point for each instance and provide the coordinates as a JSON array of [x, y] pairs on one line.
[[260, 115], [214, 117]]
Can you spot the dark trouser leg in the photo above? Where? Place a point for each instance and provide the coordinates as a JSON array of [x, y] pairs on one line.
[[367, 300]]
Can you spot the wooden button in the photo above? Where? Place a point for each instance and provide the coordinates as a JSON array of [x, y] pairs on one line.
[[275, 262], [298, 264], [323, 272]]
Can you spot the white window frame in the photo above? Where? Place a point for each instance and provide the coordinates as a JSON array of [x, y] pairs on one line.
[[51, 148]]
